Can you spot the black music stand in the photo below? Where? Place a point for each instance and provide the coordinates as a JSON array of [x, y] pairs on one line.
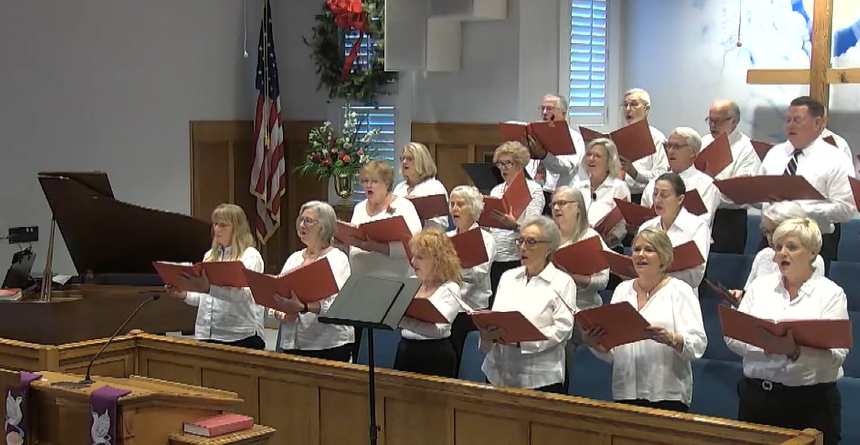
[[372, 302]]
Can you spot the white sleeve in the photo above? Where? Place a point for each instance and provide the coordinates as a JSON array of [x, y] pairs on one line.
[[688, 323], [341, 270], [252, 260], [834, 307], [413, 222]]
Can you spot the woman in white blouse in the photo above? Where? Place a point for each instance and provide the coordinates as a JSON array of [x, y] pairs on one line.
[[419, 173], [300, 332], [424, 347], [546, 297], [785, 384], [603, 185], [227, 315], [655, 373], [681, 225], [466, 205], [511, 158]]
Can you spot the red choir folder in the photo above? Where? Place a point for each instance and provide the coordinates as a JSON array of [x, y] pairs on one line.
[[694, 204], [219, 273], [607, 224], [517, 328], [723, 292], [387, 230], [831, 140], [424, 310], [761, 148], [715, 157], [687, 256], [470, 248], [634, 214], [219, 425], [582, 258], [772, 188], [515, 200], [554, 137], [634, 141], [589, 135], [620, 265], [430, 206], [819, 334], [621, 321], [312, 282], [855, 190]]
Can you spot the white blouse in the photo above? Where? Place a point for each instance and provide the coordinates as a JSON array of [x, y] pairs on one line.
[[653, 371], [430, 187], [818, 299], [687, 227], [306, 333], [229, 314], [763, 264], [560, 170], [445, 300], [693, 180], [547, 301], [476, 289], [395, 264], [602, 202], [506, 240], [588, 297], [651, 166]]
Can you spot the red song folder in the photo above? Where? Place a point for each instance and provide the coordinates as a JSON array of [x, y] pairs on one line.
[[633, 141], [514, 201], [582, 258], [386, 230], [589, 135], [621, 321], [694, 204], [470, 248], [855, 190], [219, 273], [312, 282], [517, 328], [723, 292], [634, 214], [831, 140], [819, 334], [620, 265], [761, 148], [687, 256], [430, 206], [772, 188], [424, 310], [554, 137], [607, 224], [715, 157]]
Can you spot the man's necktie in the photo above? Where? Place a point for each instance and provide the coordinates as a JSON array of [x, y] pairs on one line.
[[540, 173], [791, 168]]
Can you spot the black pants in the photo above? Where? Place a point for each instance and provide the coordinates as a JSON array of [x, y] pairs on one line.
[[815, 406], [547, 197], [730, 231], [461, 327], [829, 246], [496, 271], [338, 353], [252, 342], [430, 357], [668, 405]]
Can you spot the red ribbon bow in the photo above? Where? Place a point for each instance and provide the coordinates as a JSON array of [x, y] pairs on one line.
[[349, 14]]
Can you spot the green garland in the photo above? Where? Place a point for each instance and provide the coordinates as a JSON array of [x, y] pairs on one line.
[[363, 85]]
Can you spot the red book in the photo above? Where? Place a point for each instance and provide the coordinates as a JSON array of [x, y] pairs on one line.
[[311, 282], [607, 224], [715, 157], [620, 265], [219, 425], [621, 321], [470, 248], [514, 201], [582, 258], [386, 230], [724, 293], [819, 334], [761, 148], [694, 204], [634, 214], [424, 310], [855, 190], [430, 206], [769, 188], [831, 140], [687, 256], [634, 141], [219, 273], [554, 137], [517, 328]]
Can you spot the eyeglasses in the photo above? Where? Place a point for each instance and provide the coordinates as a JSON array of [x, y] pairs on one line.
[[306, 222], [560, 203], [547, 108], [367, 182], [504, 164], [632, 104], [407, 158], [529, 242], [667, 146], [717, 122]]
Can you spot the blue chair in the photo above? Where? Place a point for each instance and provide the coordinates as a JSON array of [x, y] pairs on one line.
[[849, 389], [472, 359], [717, 349], [592, 377], [847, 276], [851, 367], [753, 235], [849, 241], [605, 295], [715, 388], [384, 348], [730, 269]]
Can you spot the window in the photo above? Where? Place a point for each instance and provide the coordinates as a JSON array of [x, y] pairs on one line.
[[586, 73]]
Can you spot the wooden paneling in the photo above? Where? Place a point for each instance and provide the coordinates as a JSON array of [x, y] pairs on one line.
[[452, 144]]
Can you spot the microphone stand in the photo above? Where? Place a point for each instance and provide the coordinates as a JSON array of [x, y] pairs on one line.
[[374, 429], [48, 274]]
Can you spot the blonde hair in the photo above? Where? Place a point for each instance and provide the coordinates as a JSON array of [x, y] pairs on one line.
[[613, 164], [234, 216], [436, 245], [516, 150], [424, 166], [377, 169], [661, 243], [805, 229]]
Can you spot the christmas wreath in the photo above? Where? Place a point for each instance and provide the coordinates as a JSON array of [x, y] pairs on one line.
[[337, 72]]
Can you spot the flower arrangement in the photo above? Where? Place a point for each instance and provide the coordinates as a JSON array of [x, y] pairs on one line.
[[332, 155]]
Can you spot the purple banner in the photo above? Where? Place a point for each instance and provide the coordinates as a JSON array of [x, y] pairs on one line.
[[15, 425], [103, 403]]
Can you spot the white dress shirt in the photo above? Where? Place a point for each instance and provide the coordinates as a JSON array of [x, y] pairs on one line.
[[817, 299], [506, 240], [430, 187], [694, 180], [560, 170], [306, 333], [602, 201], [653, 371], [763, 264], [687, 227], [445, 300], [476, 289], [842, 145], [651, 166], [395, 264], [745, 161], [548, 302], [229, 314], [824, 166], [588, 297]]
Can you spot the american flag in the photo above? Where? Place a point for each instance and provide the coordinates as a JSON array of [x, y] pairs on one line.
[[268, 180]]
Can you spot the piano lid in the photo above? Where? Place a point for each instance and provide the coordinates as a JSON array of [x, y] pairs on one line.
[[105, 235]]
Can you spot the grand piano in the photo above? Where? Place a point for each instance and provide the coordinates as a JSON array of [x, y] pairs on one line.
[[112, 244]]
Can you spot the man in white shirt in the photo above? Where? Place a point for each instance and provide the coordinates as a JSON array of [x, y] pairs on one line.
[[636, 106], [806, 154], [549, 170], [730, 221]]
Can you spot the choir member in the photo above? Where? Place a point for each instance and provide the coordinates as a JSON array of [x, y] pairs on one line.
[[546, 297], [636, 107], [683, 146], [602, 186], [680, 225], [419, 173], [785, 384], [226, 315], [466, 205], [424, 347], [300, 331], [656, 372], [730, 220]]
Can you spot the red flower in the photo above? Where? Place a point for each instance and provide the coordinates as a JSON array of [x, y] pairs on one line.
[[334, 150], [344, 6], [360, 152], [326, 162], [334, 138], [345, 158], [316, 157]]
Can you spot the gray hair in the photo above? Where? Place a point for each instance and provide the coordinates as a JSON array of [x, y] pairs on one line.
[[612, 160], [734, 110], [548, 229], [562, 102], [643, 95], [783, 211], [805, 229], [473, 198], [691, 137], [581, 223], [326, 217]]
